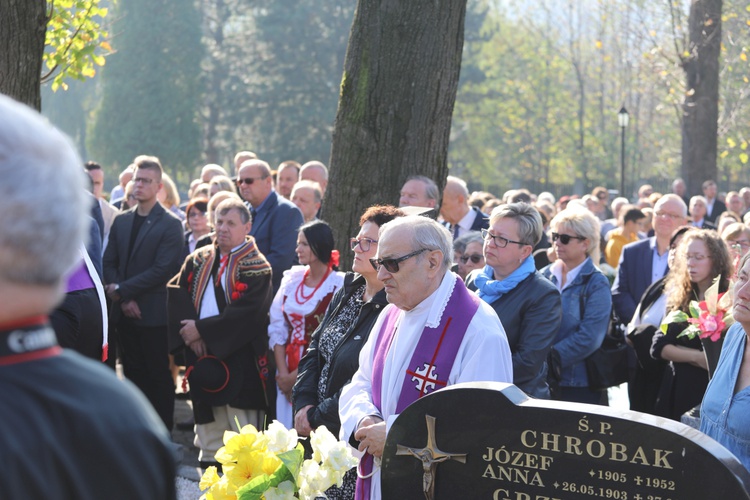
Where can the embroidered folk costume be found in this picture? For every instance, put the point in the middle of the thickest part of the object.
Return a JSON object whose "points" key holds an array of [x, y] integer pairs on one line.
{"points": [[295, 314], [448, 338], [231, 295]]}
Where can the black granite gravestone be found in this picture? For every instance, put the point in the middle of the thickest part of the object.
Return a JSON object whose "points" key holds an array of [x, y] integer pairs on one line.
{"points": [[490, 441]]}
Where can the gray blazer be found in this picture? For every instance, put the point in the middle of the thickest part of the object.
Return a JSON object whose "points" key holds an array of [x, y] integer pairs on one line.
{"points": [[155, 259]]}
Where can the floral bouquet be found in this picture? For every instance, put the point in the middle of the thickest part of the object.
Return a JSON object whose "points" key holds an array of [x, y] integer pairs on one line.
{"points": [[708, 319], [270, 465]]}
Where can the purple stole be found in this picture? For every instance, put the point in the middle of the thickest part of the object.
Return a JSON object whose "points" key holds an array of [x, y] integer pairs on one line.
{"points": [[430, 364]]}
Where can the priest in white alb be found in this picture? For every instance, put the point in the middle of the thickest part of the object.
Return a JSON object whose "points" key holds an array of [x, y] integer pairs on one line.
{"points": [[433, 333]]}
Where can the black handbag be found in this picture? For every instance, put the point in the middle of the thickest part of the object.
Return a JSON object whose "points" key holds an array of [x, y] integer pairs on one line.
{"points": [[608, 365]]}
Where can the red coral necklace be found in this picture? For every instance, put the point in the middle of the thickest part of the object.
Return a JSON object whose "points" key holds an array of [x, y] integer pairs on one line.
{"points": [[300, 291]]}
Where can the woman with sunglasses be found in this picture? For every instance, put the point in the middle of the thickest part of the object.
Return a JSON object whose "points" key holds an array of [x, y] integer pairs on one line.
{"points": [[527, 304], [586, 303], [333, 355], [701, 257], [471, 257], [303, 297]]}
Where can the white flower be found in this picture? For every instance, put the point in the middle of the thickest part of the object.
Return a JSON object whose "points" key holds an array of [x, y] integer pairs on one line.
{"points": [[314, 480], [279, 438], [340, 460], [322, 441], [284, 491]]}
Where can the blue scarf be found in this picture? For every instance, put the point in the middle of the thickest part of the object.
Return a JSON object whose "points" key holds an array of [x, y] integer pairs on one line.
{"points": [[490, 289]]}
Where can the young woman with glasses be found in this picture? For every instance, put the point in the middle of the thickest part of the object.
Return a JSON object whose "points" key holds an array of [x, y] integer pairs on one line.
{"points": [[527, 304], [333, 354], [586, 302], [700, 258]]}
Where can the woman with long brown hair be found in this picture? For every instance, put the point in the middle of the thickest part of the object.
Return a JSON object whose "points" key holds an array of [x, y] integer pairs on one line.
{"points": [[701, 257]]}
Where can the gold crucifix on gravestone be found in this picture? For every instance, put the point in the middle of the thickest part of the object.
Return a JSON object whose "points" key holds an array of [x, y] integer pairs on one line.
{"points": [[430, 456]]}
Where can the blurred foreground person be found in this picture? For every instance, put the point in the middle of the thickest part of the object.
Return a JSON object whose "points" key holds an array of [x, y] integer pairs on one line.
{"points": [[71, 430]]}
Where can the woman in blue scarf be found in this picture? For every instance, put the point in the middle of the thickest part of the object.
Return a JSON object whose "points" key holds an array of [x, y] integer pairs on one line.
{"points": [[527, 304]]}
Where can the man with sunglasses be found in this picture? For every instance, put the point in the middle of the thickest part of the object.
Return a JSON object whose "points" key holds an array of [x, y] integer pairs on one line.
{"points": [[434, 333], [275, 219]]}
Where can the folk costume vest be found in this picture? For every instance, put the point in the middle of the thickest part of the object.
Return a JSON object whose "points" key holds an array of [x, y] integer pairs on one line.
{"points": [[431, 362]]}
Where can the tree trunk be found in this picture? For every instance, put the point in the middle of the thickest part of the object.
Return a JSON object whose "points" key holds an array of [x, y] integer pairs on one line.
{"points": [[394, 116], [23, 24], [701, 105]]}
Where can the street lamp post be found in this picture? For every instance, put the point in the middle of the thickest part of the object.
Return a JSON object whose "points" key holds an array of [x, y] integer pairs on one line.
{"points": [[622, 120]]}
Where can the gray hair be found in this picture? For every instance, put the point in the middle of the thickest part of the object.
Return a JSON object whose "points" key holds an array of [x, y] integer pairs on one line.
{"points": [[431, 190], [425, 233], [463, 241], [697, 198], [529, 221], [263, 167], [315, 164], [673, 197], [583, 223], [42, 223], [317, 193], [457, 184], [233, 203]]}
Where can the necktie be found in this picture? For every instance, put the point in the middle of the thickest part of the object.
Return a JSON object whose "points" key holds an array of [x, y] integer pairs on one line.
{"points": [[455, 231]]}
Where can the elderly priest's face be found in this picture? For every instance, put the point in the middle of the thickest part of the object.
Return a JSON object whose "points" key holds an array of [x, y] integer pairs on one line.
{"points": [[416, 277]]}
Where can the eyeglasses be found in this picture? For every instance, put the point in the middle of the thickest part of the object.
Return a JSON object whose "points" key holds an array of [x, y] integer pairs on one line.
{"points": [[196, 213], [565, 238], [475, 258], [740, 243], [665, 214], [499, 240], [249, 180], [142, 180], [391, 265], [364, 243]]}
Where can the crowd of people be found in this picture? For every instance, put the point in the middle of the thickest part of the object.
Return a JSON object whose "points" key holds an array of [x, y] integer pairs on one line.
{"points": [[240, 285]]}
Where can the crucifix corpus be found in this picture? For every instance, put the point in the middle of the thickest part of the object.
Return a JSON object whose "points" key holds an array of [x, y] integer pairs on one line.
{"points": [[430, 456]]}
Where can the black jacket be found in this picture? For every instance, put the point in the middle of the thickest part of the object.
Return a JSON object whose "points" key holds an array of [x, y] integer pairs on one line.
{"points": [[344, 362]]}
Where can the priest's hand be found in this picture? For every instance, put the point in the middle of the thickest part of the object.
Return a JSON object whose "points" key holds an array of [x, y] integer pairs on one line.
{"points": [[130, 309], [371, 435], [301, 424]]}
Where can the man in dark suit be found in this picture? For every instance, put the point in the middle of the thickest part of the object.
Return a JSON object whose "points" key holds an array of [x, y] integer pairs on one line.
{"points": [[457, 212], [698, 211], [276, 220], [715, 207], [645, 261], [145, 245], [642, 263]]}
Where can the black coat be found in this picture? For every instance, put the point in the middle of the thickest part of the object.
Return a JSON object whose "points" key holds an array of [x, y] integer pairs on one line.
{"points": [[345, 360]]}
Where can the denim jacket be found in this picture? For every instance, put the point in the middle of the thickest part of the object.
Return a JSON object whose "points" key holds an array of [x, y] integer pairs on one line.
{"points": [[578, 336]]}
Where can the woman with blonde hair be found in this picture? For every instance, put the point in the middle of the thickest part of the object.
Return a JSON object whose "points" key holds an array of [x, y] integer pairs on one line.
{"points": [[169, 197], [586, 303], [701, 257], [221, 183]]}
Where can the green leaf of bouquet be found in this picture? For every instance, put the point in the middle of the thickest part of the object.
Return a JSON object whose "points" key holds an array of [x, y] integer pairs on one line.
{"points": [[690, 332], [673, 317], [292, 460], [255, 488], [695, 311]]}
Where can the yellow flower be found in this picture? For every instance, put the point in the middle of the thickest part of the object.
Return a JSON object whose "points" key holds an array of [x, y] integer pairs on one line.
{"points": [[250, 465], [210, 477], [220, 491], [237, 445]]}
